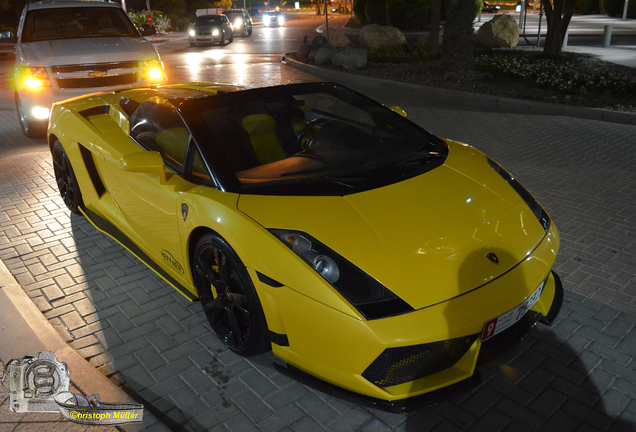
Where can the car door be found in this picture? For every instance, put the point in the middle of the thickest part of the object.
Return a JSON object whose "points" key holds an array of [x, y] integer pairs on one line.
{"points": [[150, 202]]}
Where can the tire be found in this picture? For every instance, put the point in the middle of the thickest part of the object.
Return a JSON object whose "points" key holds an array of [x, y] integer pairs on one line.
{"points": [[65, 178], [231, 38], [249, 33], [30, 128], [228, 297], [223, 39]]}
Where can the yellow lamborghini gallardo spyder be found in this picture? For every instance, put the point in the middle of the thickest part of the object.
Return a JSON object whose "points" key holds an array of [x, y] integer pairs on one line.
{"points": [[312, 221]]}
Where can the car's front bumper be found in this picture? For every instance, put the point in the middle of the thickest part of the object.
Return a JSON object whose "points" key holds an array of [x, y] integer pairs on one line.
{"points": [[339, 349], [206, 38]]}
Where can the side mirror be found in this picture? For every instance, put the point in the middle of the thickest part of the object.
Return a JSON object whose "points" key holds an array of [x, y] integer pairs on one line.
{"points": [[398, 110], [147, 30], [149, 162]]}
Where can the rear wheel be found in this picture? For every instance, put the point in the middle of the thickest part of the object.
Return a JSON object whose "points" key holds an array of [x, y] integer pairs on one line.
{"points": [[65, 178], [228, 297], [30, 128]]}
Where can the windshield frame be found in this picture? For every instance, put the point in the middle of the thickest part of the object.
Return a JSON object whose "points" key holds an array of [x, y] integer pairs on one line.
{"points": [[88, 18], [320, 183]]}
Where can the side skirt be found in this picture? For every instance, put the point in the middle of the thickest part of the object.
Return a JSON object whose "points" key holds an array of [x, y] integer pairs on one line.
{"points": [[116, 234]]}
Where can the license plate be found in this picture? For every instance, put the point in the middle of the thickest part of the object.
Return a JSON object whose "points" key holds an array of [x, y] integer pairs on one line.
{"points": [[504, 321]]}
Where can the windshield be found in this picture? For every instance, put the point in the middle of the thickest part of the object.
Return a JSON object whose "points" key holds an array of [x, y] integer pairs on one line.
{"points": [[76, 22], [315, 135], [208, 20]]}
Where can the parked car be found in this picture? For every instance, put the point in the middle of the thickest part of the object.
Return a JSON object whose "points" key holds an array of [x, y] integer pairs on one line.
{"points": [[274, 18], [490, 8], [67, 49], [211, 29], [313, 221], [241, 21]]}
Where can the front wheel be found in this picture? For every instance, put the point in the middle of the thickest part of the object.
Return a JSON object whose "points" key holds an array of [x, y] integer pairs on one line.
{"points": [[228, 297], [65, 178], [30, 128]]}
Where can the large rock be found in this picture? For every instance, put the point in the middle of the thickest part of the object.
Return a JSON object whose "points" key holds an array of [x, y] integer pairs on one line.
{"points": [[322, 56], [377, 36], [500, 32], [339, 39], [319, 42], [303, 52], [349, 58]]}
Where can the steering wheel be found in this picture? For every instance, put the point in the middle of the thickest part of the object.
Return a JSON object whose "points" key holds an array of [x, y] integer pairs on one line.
{"points": [[308, 127]]}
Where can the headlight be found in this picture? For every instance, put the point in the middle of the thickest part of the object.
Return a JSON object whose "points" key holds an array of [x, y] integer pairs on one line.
{"points": [[215, 32], [534, 205], [372, 299], [34, 77], [191, 32], [238, 22], [266, 20], [152, 70], [281, 20]]}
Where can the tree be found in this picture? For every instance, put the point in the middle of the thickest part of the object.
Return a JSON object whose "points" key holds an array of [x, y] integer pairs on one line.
{"points": [[558, 14], [459, 41], [223, 4]]}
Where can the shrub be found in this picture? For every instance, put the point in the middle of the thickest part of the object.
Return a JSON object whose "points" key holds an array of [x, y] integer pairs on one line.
{"points": [[159, 20], [548, 75], [397, 12], [587, 7], [409, 14], [405, 54], [419, 17], [375, 10], [358, 10], [614, 8]]}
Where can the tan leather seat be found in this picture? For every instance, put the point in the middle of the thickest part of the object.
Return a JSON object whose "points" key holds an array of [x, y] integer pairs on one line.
{"points": [[261, 129]]}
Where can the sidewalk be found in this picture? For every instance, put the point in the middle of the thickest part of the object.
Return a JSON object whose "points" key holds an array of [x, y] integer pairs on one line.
{"points": [[26, 332], [578, 375]]}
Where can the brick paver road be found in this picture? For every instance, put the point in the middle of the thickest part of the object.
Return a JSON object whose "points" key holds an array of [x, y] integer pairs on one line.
{"points": [[578, 375]]}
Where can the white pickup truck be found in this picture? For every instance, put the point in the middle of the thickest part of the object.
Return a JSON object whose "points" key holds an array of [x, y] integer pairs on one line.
{"points": [[71, 48]]}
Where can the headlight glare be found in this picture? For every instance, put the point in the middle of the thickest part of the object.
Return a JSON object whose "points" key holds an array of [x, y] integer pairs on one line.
{"points": [[215, 32], [153, 70], [372, 299], [191, 32], [34, 77]]}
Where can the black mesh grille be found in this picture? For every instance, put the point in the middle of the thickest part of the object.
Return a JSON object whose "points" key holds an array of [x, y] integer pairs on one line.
{"points": [[90, 82], [95, 67], [399, 365]]}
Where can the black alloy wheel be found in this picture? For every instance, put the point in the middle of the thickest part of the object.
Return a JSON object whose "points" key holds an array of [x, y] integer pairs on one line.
{"points": [[65, 178], [228, 297]]}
